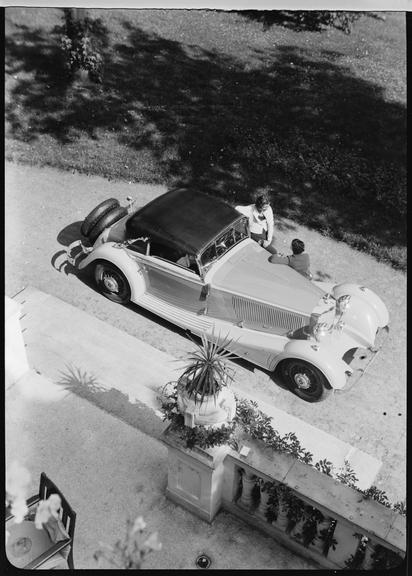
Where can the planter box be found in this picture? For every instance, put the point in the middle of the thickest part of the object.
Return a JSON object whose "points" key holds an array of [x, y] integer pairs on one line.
{"points": [[195, 477]]}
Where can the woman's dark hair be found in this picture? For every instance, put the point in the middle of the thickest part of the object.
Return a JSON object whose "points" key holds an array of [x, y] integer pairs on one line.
{"points": [[297, 246], [261, 200]]}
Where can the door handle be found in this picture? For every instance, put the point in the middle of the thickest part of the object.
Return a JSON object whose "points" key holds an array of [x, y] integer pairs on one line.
{"points": [[205, 292]]}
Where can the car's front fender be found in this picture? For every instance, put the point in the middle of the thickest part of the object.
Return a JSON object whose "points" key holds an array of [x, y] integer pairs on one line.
{"points": [[322, 356], [369, 298], [117, 255]]}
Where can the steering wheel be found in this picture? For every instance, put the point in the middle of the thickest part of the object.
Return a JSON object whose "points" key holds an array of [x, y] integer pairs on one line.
{"points": [[220, 248]]}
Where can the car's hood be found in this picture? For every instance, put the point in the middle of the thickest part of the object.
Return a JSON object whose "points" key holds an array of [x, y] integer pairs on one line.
{"points": [[249, 273]]}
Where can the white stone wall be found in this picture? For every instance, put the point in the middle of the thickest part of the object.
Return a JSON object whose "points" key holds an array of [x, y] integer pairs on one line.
{"points": [[16, 363]]}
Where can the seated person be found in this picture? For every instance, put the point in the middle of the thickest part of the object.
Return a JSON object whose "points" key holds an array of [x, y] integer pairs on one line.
{"points": [[299, 260], [188, 261]]}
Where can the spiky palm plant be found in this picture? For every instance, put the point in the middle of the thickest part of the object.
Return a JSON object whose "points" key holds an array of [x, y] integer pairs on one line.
{"points": [[207, 371]]}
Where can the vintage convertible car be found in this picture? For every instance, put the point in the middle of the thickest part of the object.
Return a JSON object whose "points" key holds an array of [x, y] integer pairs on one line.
{"points": [[188, 258]]}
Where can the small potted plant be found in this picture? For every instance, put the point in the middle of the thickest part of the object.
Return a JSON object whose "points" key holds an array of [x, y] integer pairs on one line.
{"points": [[203, 395]]}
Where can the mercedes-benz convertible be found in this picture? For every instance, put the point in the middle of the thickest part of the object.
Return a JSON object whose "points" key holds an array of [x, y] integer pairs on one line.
{"points": [[188, 257]]}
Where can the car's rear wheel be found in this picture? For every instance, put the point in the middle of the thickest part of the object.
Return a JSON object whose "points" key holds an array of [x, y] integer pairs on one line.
{"points": [[106, 221], [97, 213], [111, 282], [304, 380]]}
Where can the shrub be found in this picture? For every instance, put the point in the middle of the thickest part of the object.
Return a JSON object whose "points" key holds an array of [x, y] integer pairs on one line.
{"points": [[82, 42]]}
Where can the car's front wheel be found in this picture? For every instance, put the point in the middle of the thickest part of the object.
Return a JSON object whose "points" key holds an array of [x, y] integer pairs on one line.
{"points": [[304, 380], [111, 282]]}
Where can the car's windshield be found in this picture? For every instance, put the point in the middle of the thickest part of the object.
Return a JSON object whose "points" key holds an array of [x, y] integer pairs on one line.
{"points": [[225, 242]]}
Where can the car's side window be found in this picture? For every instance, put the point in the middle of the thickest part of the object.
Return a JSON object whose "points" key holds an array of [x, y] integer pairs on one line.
{"points": [[170, 254], [224, 242], [163, 251], [188, 261]]}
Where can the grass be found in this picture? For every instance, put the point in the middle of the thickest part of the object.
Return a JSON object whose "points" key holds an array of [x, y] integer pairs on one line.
{"points": [[228, 103]]}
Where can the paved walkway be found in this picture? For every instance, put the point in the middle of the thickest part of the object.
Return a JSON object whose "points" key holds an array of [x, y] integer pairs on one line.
{"points": [[109, 463]]}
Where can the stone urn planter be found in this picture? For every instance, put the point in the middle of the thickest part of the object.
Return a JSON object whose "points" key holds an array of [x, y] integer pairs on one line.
{"points": [[203, 398], [211, 412], [203, 395]]}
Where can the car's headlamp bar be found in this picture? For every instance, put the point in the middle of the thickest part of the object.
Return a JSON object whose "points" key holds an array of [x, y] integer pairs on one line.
{"points": [[320, 330], [342, 304]]}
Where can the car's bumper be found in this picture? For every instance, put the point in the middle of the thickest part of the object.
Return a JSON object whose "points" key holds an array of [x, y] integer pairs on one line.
{"points": [[361, 359], [76, 251]]}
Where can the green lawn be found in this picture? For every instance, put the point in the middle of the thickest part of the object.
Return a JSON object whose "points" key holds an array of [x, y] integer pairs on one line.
{"points": [[219, 101]]}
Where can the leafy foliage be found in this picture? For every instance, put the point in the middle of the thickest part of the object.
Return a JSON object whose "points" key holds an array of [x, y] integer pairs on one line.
{"points": [[256, 424], [400, 507], [326, 535], [281, 497], [385, 559], [309, 20], [317, 20], [375, 494], [277, 497], [382, 558], [207, 371], [82, 42], [198, 435], [324, 466], [326, 136], [310, 526], [129, 552], [295, 510], [346, 475]]}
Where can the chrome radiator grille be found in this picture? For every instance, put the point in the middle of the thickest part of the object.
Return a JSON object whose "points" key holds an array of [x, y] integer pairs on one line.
{"points": [[267, 317]]}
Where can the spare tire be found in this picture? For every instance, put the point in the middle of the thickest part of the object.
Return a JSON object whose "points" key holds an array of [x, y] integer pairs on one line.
{"points": [[97, 213], [106, 221]]}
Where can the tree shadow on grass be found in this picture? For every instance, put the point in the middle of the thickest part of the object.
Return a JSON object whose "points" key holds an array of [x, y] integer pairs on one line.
{"points": [[113, 401], [325, 144]]}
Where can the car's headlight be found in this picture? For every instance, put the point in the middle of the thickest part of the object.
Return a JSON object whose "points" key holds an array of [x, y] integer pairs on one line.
{"points": [[320, 330]]}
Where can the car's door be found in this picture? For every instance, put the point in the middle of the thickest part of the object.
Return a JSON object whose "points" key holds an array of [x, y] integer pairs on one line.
{"points": [[175, 284]]}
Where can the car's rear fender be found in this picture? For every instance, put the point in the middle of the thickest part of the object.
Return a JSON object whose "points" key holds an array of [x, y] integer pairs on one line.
{"points": [[114, 233], [332, 367], [117, 255]]}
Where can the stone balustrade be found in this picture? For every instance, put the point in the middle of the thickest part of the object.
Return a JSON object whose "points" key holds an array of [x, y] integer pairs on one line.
{"points": [[16, 363], [306, 510]]}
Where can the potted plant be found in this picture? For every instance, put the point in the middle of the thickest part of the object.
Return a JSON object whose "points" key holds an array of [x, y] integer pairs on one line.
{"points": [[203, 395]]}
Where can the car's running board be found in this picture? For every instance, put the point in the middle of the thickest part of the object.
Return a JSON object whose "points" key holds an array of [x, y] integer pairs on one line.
{"points": [[184, 318]]}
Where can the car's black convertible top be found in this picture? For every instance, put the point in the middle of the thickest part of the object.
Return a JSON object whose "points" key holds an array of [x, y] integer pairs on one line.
{"points": [[186, 219]]}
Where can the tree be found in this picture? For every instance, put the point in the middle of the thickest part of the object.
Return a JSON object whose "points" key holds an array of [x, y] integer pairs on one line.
{"points": [[310, 20]]}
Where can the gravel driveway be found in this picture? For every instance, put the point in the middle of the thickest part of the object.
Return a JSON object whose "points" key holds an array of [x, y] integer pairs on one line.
{"points": [[44, 208]]}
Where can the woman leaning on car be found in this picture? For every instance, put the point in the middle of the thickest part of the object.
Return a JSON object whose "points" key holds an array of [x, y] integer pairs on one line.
{"points": [[261, 223]]}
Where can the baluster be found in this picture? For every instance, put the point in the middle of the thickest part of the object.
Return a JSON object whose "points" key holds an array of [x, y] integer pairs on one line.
{"points": [[367, 563], [263, 503], [248, 484], [282, 519], [297, 530], [238, 490], [323, 527]]}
